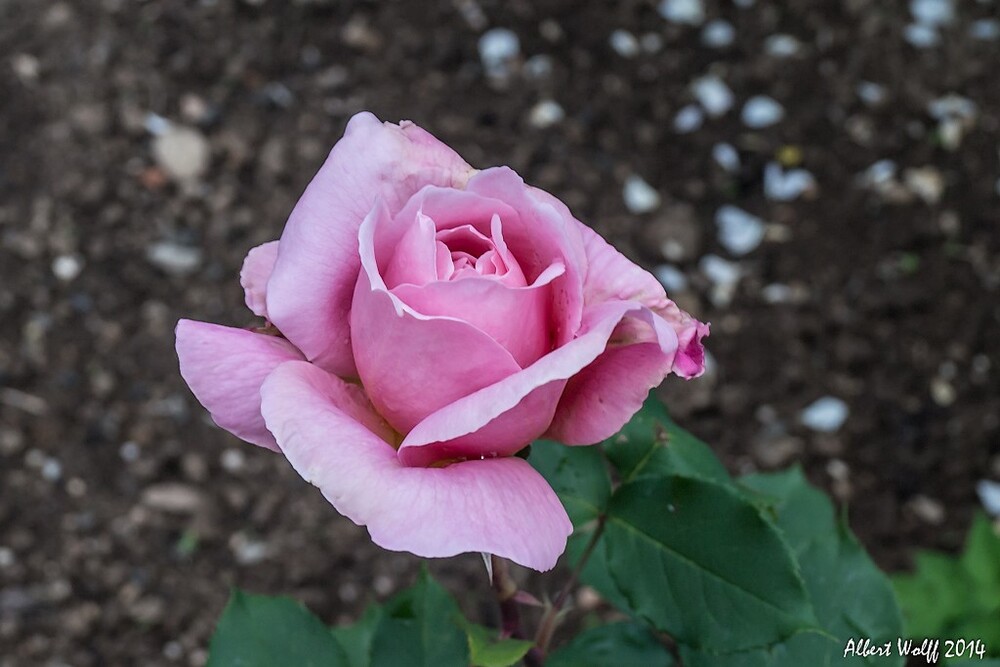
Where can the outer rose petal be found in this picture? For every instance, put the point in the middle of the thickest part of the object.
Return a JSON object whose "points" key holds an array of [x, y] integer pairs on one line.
{"points": [[508, 411], [309, 293], [499, 506], [611, 275], [256, 272], [601, 398], [224, 367]]}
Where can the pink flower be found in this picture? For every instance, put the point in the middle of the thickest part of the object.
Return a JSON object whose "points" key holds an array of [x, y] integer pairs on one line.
{"points": [[434, 320]]}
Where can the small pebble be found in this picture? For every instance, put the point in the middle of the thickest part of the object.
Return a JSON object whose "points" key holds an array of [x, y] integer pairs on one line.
{"points": [[724, 276], [624, 43], [67, 267], [690, 12], [129, 452], [546, 114], [932, 12], [497, 48], [989, 496], [739, 232], [927, 509], [942, 392], [51, 470], [26, 67], [383, 585], [173, 498], [761, 111], [233, 460], [651, 42], [782, 46], [688, 119], [726, 157], [872, 94], [776, 293], [173, 257], [786, 185], [744, 4], [718, 34], [921, 36], [713, 94], [672, 278], [925, 182], [248, 550], [182, 152], [878, 174], [7, 557], [538, 67], [639, 196], [825, 415], [986, 30]]}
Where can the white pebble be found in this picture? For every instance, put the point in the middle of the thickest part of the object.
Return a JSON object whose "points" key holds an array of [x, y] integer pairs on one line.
{"points": [[538, 67], [546, 114], [932, 12], [129, 451], [233, 460], [672, 278], [639, 196], [921, 36], [782, 46], [776, 293], [497, 48], [987, 30], [624, 43], [156, 124], [825, 415], [782, 185], [739, 232], [724, 276], [7, 557], [880, 173], [718, 34], [989, 495], [690, 12], [51, 470], [182, 152], [173, 257], [67, 267], [952, 106], [726, 156], [713, 94], [688, 119], [761, 111], [872, 93], [925, 182]]}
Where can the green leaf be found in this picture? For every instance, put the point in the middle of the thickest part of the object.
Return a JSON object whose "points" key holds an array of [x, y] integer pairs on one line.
{"points": [[488, 650], [420, 627], [578, 475], [697, 560], [851, 597], [263, 631], [652, 445], [951, 597], [615, 645], [356, 639]]}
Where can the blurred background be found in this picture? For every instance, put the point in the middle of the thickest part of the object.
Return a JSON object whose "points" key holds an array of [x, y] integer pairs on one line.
{"points": [[820, 180]]}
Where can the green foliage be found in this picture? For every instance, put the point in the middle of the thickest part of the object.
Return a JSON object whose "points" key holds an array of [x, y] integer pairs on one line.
{"points": [[488, 650], [615, 645], [957, 597], [262, 631], [755, 572]]}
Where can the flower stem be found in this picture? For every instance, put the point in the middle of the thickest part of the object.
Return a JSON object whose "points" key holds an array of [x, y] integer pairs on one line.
{"points": [[505, 589], [550, 620]]}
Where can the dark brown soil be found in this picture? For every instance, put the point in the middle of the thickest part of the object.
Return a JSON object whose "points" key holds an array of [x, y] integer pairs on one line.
{"points": [[125, 516]]}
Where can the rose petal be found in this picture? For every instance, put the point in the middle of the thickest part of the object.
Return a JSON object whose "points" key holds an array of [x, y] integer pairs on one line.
{"points": [[412, 364], [515, 317], [457, 429], [540, 235], [224, 367], [498, 506], [309, 293], [602, 397], [611, 275], [257, 268]]}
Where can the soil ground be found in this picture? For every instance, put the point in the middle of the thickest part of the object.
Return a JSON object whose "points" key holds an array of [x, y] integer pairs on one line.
{"points": [[125, 516]]}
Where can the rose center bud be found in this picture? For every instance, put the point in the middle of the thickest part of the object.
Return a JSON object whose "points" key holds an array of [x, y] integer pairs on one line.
{"points": [[465, 252]]}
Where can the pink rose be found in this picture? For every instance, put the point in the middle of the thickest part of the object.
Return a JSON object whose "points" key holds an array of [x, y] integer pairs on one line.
{"points": [[430, 321]]}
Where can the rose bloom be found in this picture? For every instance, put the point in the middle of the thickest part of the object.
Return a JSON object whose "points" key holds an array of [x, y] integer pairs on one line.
{"points": [[426, 322]]}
